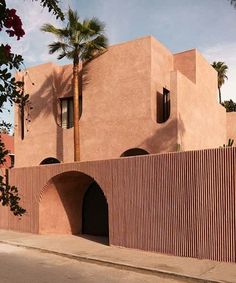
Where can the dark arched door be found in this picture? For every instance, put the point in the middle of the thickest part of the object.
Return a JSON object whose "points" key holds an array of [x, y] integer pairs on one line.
{"points": [[95, 212]]}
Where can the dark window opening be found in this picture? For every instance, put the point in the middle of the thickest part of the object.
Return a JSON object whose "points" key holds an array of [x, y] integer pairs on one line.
{"points": [[163, 106], [134, 152], [67, 111], [49, 160], [166, 104]]}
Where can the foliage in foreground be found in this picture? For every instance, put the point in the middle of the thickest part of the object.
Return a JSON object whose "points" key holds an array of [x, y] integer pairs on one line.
{"points": [[229, 105], [11, 90]]}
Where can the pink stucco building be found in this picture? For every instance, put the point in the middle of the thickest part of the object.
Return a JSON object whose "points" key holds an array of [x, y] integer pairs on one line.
{"points": [[138, 98], [136, 95]]}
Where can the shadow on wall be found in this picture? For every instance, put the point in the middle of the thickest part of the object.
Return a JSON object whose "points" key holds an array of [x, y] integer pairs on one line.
{"points": [[165, 137], [181, 133], [46, 100]]}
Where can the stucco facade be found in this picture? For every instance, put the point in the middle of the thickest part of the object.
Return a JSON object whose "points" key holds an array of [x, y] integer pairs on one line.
{"points": [[122, 104], [137, 95]]}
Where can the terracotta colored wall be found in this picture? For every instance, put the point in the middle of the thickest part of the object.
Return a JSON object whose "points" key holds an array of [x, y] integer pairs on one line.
{"points": [[185, 62], [231, 126], [63, 195], [120, 105], [43, 135], [201, 120], [164, 137], [177, 203], [116, 113]]}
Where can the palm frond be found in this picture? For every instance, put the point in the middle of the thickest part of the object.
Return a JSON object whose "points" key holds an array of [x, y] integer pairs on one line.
{"points": [[221, 69], [96, 26], [58, 46], [72, 55], [73, 18], [49, 28], [91, 48], [79, 39], [60, 33], [62, 55]]}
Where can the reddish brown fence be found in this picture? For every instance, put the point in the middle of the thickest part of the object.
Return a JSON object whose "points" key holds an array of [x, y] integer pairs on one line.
{"points": [[177, 203]]}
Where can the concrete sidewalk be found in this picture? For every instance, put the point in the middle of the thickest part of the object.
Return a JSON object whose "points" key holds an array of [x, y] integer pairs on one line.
{"points": [[90, 250]]}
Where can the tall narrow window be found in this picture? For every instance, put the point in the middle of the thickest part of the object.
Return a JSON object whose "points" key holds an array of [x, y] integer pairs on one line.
{"points": [[67, 112], [166, 104], [162, 106]]}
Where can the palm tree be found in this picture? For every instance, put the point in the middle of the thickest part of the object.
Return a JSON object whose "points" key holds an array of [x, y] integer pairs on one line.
{"points": [[221, 69], [79, 41]]}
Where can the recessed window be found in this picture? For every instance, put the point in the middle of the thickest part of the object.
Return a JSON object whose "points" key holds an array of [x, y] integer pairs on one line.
{"points": [[166, 104], [163, 106], [67, 112]]}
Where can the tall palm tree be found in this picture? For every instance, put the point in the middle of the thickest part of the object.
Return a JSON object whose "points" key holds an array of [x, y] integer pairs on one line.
{"points": [[221, 69], [79, 41]]}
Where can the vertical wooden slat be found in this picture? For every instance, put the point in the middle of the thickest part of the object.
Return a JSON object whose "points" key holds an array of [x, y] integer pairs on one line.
{"points": [[177, 203]]}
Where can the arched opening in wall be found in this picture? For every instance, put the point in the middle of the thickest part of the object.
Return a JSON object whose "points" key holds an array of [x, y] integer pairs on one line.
{"points": [[95, 212], [49, 160], [73, 203], [134, 152], [162, 106]]}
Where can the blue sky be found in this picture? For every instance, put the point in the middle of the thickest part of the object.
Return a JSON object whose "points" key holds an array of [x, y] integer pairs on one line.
{"points": [[208, 25]]}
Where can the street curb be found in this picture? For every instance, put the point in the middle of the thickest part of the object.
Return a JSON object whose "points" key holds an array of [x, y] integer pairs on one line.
{"points": [[118, 265]]}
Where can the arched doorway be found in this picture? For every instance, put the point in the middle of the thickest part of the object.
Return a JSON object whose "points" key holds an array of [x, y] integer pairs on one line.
{"points": [[95, 212], [134, 152], [67, 206]]}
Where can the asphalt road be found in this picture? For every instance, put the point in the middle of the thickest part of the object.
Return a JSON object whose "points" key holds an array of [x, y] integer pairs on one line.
{"points": [[20, 265]]}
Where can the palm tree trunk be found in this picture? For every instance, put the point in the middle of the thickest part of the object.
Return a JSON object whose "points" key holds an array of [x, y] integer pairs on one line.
{"points": [[76, 111], [219, 95]]}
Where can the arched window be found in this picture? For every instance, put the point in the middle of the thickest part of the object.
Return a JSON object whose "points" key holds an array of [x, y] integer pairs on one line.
{"points": [[134, 152], [49, 160]]}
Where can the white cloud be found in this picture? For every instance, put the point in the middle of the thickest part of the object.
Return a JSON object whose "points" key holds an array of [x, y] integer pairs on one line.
{"points": [[225, 53]]}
